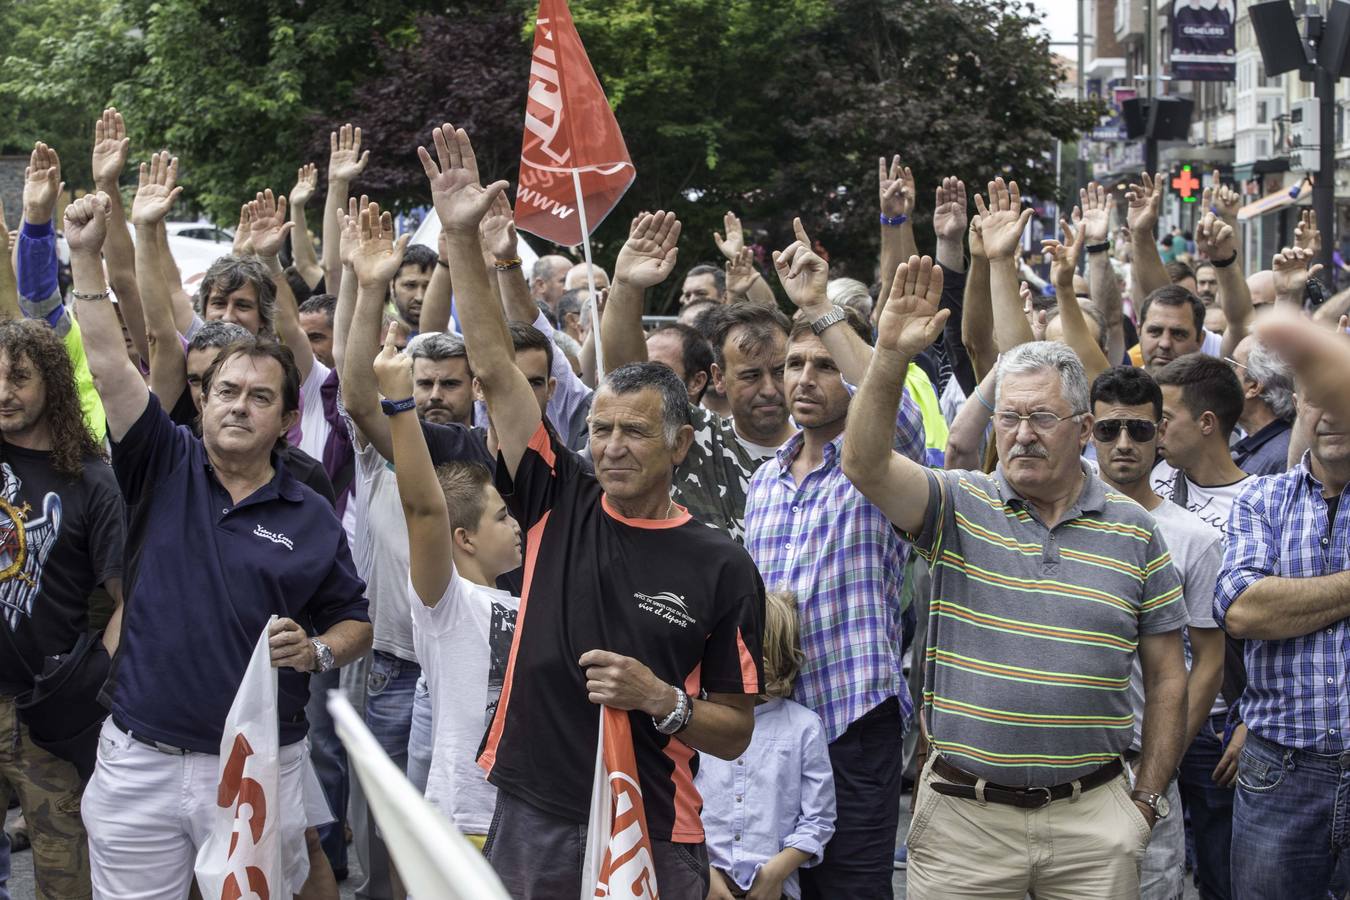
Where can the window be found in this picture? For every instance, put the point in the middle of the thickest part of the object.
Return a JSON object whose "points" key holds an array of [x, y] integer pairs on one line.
{"points": [[1262, 112]]}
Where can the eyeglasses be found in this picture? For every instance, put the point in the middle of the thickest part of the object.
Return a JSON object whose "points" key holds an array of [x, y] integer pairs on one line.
{"points": [[1040, 421], [1141, 431], [1234, 362]]}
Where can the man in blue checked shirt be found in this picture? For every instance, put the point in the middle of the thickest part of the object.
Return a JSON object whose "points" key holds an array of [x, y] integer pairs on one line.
{"points": [[1285, 589], [810, 531]]}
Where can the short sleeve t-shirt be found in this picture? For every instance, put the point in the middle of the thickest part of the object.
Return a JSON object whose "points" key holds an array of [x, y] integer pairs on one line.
{"points": [[1197, 554], [1211, 504], [464, 644], [62, 538], [672, 593], [1032, 631]]}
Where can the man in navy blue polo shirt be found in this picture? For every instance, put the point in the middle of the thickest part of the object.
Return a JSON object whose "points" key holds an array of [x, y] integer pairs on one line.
{"points": [[262, 545]]}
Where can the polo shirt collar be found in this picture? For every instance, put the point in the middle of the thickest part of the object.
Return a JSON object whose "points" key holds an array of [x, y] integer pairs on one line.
{"points": [[282, 485], [1092, 498], [1253, 442]]}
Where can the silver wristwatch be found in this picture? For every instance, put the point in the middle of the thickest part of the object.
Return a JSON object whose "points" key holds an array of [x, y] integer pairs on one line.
{"points": [[323, 656], [838, 314]]}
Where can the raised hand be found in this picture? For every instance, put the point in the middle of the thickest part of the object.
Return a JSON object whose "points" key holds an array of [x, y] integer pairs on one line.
{"points": [[976, 237], [648, 256], [741, 273], [803, 273], [110, 147], [306, 183], [1291, 272], [345, 159], [1064, 255], [41, 184], [1002, 220], [86, 223], [1145, 202], [460, 200], [243, 233], [1306, 234], [269, 227], [499, 229], [949, 210], [911, 318], [1215, 238], [393, 367], [376, 256], [1095, 215], [1221, 199], [158, 190], [730, 246], [351, 228], [896, 187]]}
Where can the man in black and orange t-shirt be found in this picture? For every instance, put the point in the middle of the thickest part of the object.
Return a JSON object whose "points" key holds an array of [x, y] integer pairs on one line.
{"points": [[628, 602]]}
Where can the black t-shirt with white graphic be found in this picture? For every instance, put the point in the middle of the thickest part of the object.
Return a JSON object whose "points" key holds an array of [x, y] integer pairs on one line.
{"points": [[680, 597], [60, 538]]}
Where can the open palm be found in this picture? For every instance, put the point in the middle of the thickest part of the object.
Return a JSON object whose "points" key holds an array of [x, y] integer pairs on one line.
{"points": [[157, 191], [458, 196], [499, 229], [345, 159], [376, 256], [110, 147], [269, 227], [912, 318], [648, 256]]}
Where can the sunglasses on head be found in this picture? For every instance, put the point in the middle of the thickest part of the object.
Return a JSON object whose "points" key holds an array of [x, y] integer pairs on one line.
{"points": [[1140, 430]]}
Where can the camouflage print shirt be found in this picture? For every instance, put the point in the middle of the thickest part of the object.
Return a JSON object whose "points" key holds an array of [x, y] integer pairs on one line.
{"points": [[713, 479]]}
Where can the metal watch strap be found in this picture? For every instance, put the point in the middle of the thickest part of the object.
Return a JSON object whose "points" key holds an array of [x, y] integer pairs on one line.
{"points": [[678, 716], [323, 655], [838, 314]]}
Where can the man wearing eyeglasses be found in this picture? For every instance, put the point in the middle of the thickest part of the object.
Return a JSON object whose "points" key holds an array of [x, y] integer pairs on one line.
{"points": [[1045, 587], [1128, 406]]}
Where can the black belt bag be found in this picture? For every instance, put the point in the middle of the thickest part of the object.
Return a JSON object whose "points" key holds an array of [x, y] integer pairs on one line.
{"points": [[61, 710]]}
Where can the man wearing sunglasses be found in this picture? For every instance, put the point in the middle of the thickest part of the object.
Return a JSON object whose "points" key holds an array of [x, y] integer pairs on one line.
{"points": [[1128, 406]]}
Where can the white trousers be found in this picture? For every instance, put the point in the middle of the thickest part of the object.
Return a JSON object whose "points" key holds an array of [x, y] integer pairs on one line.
{"points": [[147, 812]]}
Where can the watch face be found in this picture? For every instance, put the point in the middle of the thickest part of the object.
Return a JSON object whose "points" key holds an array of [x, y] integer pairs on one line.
{"points": [[1162, 807]]}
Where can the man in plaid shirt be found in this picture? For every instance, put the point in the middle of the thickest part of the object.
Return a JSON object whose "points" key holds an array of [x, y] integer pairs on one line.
{"points": [[810, 531], [1285, 589]]}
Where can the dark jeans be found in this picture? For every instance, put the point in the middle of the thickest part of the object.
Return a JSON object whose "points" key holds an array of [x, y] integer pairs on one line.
{"points": [[1291, 837], [867, 772], [330, 764], [1210, 808], [538, 856]]}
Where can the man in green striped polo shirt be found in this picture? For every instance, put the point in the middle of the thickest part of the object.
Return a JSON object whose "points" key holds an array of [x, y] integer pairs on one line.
{"points": [[1045, 587]]}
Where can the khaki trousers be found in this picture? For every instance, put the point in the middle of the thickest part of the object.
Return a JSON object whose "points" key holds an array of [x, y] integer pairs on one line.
{"points": [[1070, 849]]}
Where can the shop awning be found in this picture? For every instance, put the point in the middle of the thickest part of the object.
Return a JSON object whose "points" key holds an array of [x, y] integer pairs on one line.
{"points": [[1274, 202]]}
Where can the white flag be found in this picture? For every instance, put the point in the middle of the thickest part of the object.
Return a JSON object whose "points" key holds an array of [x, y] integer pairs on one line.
{"points": [[434, 860], [241, 857], [618, 863]]}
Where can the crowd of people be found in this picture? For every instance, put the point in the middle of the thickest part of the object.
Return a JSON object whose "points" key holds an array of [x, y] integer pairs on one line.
{"points": [[1062, 558]]}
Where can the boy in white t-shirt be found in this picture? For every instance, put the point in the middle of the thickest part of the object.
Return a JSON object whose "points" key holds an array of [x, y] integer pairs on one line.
{"points": [[462, 626]]}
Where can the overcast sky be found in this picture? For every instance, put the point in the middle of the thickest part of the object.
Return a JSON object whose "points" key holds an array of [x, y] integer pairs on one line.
{"points": [[1060, 18]]}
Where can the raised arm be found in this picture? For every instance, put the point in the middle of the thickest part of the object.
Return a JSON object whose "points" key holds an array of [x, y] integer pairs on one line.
{"points": [[461, 202], [1094, 217], [346, 161], [911, 320], [346, 296], [804, 276], [1145, 202], [1077, 334], [9, 287], [1319, 355], [375, 258], [977, 306], [646, 259], [1292, 267], [1218, 241], [119, 385], [302, 243], [183, 312], [897, 196], [109, 159], [155, 196], [268, 231], [502, 245], [965, 438], [1002, 222]]}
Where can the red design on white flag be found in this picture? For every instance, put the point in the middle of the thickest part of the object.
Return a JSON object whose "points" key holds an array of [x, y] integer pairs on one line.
{"points": [[618, 863], [241, 857], [571, 137]]}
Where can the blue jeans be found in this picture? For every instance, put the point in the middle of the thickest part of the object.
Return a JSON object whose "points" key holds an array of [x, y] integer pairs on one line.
{"points": [[390, 683], [1291, 839], [420, 739], [1210, 808], [330, 764]]}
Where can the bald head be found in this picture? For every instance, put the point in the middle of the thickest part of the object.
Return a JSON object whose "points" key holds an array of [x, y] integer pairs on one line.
{"points": [[1262, 287], [576, 277]]}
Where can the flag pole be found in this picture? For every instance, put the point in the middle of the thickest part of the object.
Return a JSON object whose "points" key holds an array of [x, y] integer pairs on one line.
{"points": [[590, 276]]}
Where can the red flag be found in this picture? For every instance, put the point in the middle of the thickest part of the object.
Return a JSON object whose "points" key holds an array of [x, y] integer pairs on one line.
{"points": [[618, 864], [571, 138]]}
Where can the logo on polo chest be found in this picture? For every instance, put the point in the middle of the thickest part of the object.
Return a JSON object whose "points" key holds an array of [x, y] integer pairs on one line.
{"points": [[275, 537], [667, 606]]}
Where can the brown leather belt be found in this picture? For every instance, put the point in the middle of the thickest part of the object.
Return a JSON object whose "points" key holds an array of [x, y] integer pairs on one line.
{"points": [[1024, 798]]}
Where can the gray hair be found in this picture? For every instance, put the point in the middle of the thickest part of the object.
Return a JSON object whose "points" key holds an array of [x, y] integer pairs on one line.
{"points": [[635, 377], [216, 334], [850, 292], [1276, 380], [1037, 356], [230, 273], [1091, 311], [437, 346]]}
